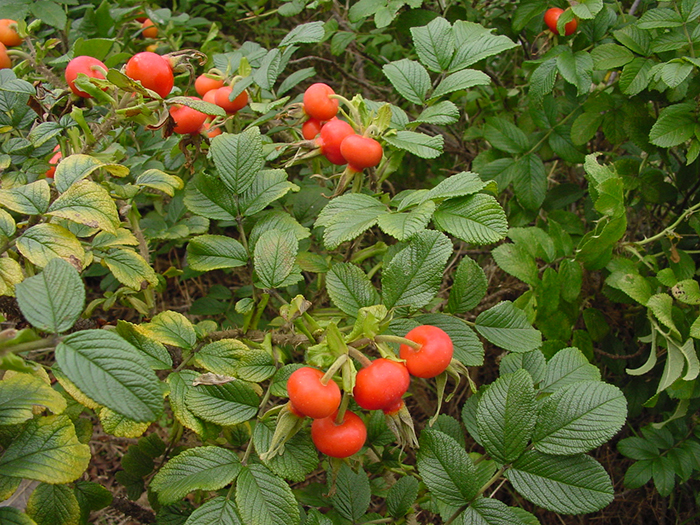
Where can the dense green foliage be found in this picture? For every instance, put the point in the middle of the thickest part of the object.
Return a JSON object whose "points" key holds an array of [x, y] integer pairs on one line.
{"points": [[535, 200]]}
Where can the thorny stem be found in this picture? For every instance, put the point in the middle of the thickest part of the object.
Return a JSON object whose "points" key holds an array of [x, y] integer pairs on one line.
{"points": [[683, 216]]}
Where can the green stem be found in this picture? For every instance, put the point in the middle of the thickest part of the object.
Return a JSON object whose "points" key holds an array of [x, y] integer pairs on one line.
{"points": [[386, 338], [264, 299], [41, 344], [670, 228], [343, 408], [354, 114]]}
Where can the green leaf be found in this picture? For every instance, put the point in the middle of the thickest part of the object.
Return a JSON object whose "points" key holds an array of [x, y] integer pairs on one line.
{"points": [[579, 418], [348, 216], [434, 44], [121, 426], [576, 69], [587, 9], [534, 362], [401, 496], [226, 405], [265, 499], [633, 284], [53, 300], [238, 158], [129, 268], [443, 114], [660, 18], [199, 468], [476, 219], [420, 144], [20, 393], [181, 383], [112, 372], [505, 136], [274, 258], [53, 505], [49, 12], [638, 474], [507, 327], [543, 78], [222, 357], [277, 220], [267, 187], [29, 199], [47, 450], [610, 56], [88, 203], [352, 496], [488, 511], [571, 276], [446, 468], [687, 291], [410, 79], [565, 484], [506, 415], [664, 475], [474, 42], [402, 226], [349, 288], [299, 457], [515, 260], [310, 33], [464, 79], [661, 305], [172, 328], [155, 353], [13, 516], [412, 278], [529, 181], [209, 197], [469, 286], [213, 252], [458, 185], [568, 366], [675, 72], [637, 448], [216, 511], [161, 181], [73, 169], [675, 125], [635, 76]]}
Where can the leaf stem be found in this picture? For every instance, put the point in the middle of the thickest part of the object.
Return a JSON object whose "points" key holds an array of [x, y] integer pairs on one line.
{"points": [[386, 338]]}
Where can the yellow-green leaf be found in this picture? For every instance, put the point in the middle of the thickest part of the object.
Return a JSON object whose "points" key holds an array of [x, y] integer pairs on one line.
{"points": [[29, 199], [129, 268], [44, 242], [53, 505], [74, 168], [10, 275], [161, 181], [121, 426], [20, 393], [88, 203]]}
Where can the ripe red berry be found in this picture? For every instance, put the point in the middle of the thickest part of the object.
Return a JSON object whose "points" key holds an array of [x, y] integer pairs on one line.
{"points": [[332, 134], [311, 397], [89, 66], [434, 355], [152, 70], [203, 84], [381, 384], [230, 106], [361, 152], [339, 440], [5, 61], [187, 120], [551, 17], [318, 104], [311, 128]]}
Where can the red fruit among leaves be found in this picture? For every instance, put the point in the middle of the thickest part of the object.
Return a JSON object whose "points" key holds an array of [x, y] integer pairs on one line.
{"points": [[551, 17], [311, 397], [187, 120], [5, 62], [317, 102], [332, 135], [311, 128], [9, 35], [222, 99], [152, 70], [89, 66], [339, 440], [203, 84], [380, 385], [434, 355], [361, 152]]}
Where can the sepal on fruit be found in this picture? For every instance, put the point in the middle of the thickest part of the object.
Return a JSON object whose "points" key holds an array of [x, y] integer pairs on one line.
{"points": [[400, 423], [288, 424]]}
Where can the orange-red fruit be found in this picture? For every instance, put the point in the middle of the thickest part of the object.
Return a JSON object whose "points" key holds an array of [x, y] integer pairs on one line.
{"points": [[380, 385], [203, 84], [318, 104], [311, 128], [311, 397], [551, 17], [9, 35], [339, 440], [53, 161], [434, 355], [187, 120], [361, 152], [230, 106], [210, 96], [152, 70], [332, 135], [5, 62], [149, 29], [89, 66], [210, 132]]}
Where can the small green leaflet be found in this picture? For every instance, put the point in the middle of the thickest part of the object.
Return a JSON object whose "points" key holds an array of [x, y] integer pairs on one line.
{"points": [[238, 158], [349, 288], [477, 219], [353, 494], [172, 328], [20, 393], [213, 252], [275, 259], [51, 504], [265, 499], [506, 326], [410, 79], [227, 405], [216, 511], [29, 199]]}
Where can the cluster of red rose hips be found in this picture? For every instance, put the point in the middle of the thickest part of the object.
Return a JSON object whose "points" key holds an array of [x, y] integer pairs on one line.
{"points": [[155, 72], [551, 18], [380, 385], [336, 138]]}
